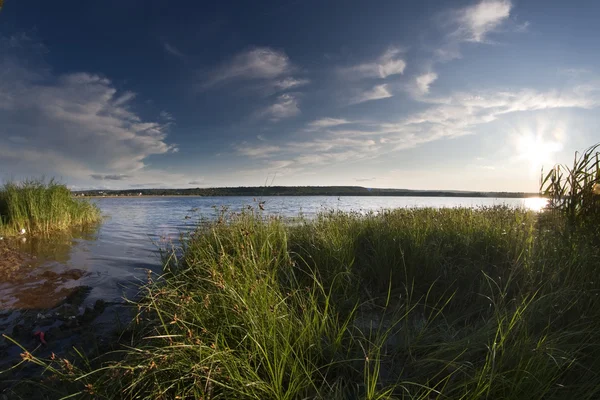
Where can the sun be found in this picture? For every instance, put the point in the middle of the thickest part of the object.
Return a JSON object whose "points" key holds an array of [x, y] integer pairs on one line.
{"points": [[536, 150]]}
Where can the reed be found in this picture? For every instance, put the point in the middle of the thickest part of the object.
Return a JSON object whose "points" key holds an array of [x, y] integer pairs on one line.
{"points": [[575, 191], [38, 207]]}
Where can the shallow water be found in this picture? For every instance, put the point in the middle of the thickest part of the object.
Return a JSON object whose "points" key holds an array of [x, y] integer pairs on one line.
{"points": [[113, 258]]}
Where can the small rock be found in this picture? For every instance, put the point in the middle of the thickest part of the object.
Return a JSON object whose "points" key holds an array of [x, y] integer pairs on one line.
{"points": [[99, 306]]}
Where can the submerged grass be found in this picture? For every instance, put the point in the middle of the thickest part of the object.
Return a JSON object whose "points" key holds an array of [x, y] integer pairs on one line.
{"points": [[406, 304], [39, 207]]}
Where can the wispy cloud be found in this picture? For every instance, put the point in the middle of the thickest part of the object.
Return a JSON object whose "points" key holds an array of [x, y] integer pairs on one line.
{"points": [[169, 48], [265, 71], [285, 106], [257, 63], [167, 116], [424, 81], [460, 114], [328, 122], [114, 177], [260, 151], [365, 179], [376, 93], [475, 22], [386, 65], [289, 83], [279, 164]]}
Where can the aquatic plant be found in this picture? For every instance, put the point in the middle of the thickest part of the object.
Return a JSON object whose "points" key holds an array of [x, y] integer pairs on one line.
{"points": [[34, 206]]}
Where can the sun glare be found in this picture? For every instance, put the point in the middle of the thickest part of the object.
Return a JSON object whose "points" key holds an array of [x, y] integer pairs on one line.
{"points": [[535, 203], [536, 150]]}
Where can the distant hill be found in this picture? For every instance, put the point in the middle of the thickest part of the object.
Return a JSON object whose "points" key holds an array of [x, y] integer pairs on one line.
{"points": [[300, 191]]}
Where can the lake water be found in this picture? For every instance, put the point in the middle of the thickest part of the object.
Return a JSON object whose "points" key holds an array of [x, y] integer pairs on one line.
{"points": [[113, 259]]}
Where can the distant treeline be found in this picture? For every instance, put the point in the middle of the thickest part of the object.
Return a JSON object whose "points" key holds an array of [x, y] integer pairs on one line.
{"points": [[300, 191]]}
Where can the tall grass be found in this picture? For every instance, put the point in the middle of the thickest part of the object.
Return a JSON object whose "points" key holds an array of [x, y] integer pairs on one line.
{"points": [[404, 304], [40, 207]]}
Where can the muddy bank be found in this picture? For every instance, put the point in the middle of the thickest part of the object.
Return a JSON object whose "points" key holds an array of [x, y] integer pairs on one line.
{"points": [[11, 261], [56, 332], [47, 311]]}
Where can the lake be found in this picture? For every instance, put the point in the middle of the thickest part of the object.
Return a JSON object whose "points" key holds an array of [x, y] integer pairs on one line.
{"points": [[113, 259]]}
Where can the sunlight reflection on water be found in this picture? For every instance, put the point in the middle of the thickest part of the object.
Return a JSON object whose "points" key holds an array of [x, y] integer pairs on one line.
{"points": [[535, 203]]}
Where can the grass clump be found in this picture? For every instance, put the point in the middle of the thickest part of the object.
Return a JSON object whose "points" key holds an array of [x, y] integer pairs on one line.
{"points": [[403, 304], [39, 207]]}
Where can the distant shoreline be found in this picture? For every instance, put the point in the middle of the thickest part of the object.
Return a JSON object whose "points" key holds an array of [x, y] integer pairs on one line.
{"points": [[299, 191], [320, 195]]}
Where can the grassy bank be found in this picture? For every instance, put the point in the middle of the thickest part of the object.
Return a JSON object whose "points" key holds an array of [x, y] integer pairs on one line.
{"points": [[39, 207], [409, 304]]}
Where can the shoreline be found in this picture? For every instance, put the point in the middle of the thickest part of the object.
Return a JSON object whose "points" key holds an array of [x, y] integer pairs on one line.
{"points": [[307, 195]]}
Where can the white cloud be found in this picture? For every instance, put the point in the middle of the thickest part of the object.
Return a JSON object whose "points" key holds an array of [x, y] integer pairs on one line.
{"points": [[386, 65], [424, 81], [256, 151], [257, 63], [289, 83], [328, 122], [473, 23], [376, 93], [74, 125], [265, 71], [478, 20], [83, 115], [285, 106]]}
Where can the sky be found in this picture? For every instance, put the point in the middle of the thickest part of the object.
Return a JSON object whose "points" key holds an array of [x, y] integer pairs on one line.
{"points": [[453, 95]]}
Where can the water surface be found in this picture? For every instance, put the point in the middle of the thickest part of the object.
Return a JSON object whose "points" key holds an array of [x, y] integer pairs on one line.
{"points": [[113, 258]]}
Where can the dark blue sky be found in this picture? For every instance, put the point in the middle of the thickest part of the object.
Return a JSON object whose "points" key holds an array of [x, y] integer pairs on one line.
{"points": [[457, 95]]}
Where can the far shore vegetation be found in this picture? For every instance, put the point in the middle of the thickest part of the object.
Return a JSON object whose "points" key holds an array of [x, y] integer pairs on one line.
{"points": [[300, 191], [487, 303], [39, 207]]}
